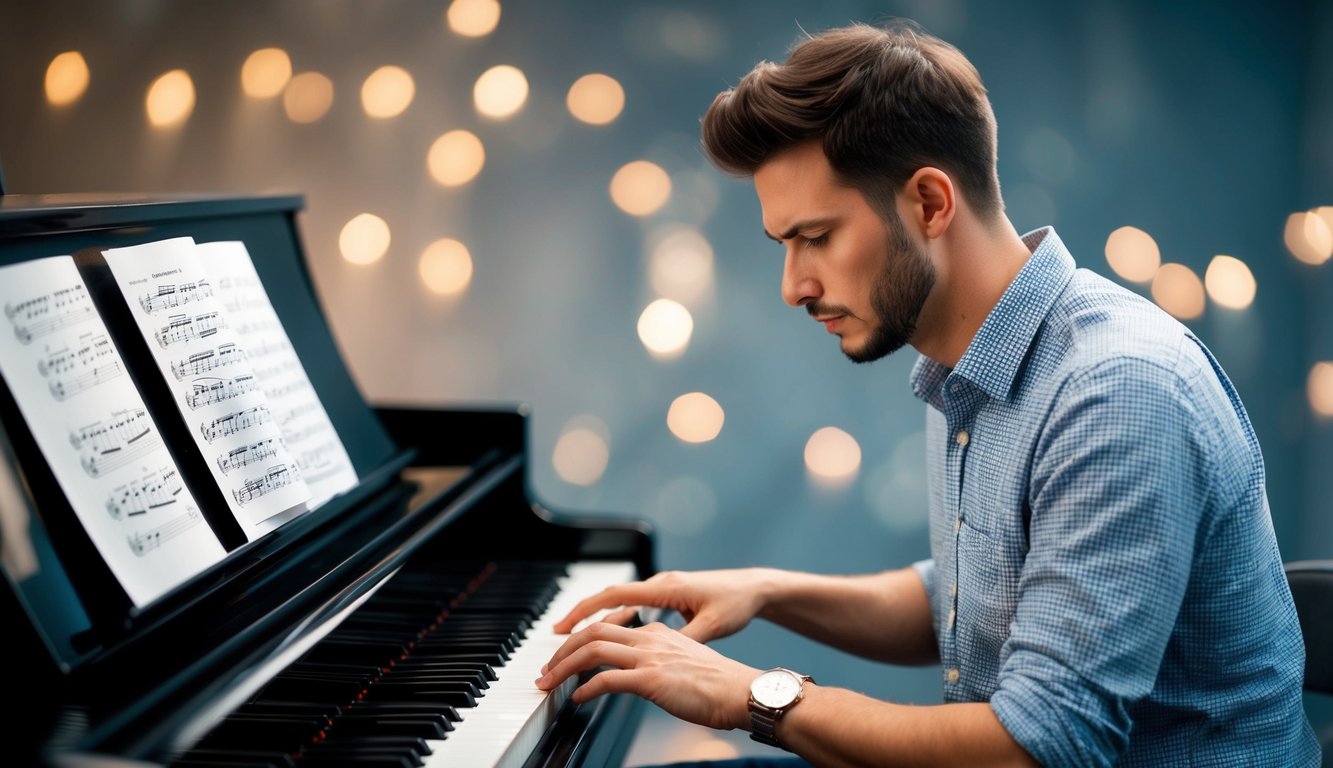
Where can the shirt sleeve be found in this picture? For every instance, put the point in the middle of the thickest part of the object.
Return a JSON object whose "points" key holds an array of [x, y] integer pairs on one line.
{"points": [[1118, 493], [925, 569]]}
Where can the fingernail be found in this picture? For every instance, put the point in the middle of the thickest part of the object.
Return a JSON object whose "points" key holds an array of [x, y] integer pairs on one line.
{"points": [[541, 681]]}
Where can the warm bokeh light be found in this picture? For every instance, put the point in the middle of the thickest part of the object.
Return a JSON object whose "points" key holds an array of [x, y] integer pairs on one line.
{"points": [[500, 91], [1325, 212], [1133, 254], [387, 92], [170, 99], [446, 267], [364, 239], [695, 417], [265, 73], [1320, 389], [1230, 282], [665, 327], [1179, 291], [473, 18], [456, 158], [66, 78], [581, 455], [640, 188], [596, 99], [832, 455], [682, 265], [1309, 237], [308, 98]]}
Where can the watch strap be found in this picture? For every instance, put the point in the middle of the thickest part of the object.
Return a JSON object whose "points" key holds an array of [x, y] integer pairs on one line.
{"points": [[764, 719]]}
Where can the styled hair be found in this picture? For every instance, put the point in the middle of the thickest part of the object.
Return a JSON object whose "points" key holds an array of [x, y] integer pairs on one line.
{"points": [[883, 101]]}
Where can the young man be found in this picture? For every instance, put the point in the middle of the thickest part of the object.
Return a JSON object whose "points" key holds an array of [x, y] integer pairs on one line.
{"points": [[1105, 585]]}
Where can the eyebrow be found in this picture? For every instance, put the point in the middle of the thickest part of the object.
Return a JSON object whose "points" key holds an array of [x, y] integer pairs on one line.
{"points": [[797, 227]]}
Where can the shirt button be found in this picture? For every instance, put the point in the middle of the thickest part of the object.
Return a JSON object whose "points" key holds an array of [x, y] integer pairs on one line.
{"points": [[953, 614], [958, 525], [953, 676], [962, 437], [953, 591]]}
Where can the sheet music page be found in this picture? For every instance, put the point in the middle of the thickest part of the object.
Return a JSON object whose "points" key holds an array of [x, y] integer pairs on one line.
{"points": [[300, 415], [208, 370], [89, 420]]}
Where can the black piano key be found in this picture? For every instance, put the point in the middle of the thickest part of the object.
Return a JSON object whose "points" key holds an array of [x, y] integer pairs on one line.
{"points": [[264, 734], [219, 757], [306, 708], [486, 671], [456, 697], [407, 744], [430, 708], [334, 760], [358, 750], [311, 689], [384, 725]]}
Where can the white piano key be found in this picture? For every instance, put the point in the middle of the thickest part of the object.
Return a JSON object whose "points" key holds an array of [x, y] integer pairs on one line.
{"points": [[508, 722]]}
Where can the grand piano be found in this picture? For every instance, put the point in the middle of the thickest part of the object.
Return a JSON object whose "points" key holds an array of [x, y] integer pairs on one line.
{"points": [[401, 623]]}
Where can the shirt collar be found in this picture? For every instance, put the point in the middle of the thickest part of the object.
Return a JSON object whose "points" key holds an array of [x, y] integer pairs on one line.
{"points": [[995, 354]]}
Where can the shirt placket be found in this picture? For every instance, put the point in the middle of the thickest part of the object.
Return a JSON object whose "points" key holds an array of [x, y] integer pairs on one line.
{"points": [[959, 412]]}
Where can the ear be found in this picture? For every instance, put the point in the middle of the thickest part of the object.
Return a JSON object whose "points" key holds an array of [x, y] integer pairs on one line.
{"points": [[932, 202]]}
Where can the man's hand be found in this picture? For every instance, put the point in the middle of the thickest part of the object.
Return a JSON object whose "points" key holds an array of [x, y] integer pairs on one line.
{"points": [[714, 603], [684, 677]]}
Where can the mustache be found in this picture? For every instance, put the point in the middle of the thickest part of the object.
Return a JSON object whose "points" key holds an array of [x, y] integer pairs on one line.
{"points": [[816, 309]]}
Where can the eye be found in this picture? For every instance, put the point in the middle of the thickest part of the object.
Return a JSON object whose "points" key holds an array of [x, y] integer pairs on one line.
{"points": [[816, 240]]}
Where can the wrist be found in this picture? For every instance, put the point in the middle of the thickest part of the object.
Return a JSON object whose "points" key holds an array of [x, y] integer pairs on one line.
{"points": [[768, 591]]}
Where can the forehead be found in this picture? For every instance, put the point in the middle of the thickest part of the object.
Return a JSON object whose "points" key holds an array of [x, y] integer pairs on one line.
{"points": [[799, 183]]}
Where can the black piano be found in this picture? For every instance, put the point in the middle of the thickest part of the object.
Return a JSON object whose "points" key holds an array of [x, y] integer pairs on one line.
{"points": [[398, 624]]}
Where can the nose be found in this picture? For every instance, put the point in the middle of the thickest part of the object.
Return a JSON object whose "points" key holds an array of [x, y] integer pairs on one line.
{"points": [[799, 285]]}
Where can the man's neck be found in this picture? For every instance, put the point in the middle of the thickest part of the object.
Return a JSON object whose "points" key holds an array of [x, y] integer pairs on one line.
{"points": [[974, 265]]}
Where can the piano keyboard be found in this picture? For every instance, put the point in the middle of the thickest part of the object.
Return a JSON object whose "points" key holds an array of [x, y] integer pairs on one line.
{"points": [[435, 669]]}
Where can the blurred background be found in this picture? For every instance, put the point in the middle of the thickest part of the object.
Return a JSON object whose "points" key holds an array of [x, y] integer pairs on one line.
{"points": [[506, 202]]}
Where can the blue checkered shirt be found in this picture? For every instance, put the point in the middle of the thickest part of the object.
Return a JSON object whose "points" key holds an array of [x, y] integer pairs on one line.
{"points": [[1104, 568]]}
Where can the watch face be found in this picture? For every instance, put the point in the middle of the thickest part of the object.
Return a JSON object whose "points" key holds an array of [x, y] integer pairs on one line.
{"points": [[776, 688]]}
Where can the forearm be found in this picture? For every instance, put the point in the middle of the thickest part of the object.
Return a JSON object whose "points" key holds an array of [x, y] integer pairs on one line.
{"points": [[883, 616], [836, 727]]}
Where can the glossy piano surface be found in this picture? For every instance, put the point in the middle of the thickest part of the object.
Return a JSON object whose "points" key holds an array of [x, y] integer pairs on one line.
{"points": [[440, 491]]}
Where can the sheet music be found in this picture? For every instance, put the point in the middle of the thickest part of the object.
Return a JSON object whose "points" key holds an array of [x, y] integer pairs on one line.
{"points": [[90, 423], [208, 369], [292, 400]]}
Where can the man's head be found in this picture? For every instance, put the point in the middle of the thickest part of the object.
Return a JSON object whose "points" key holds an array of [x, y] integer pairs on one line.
{"points": [[832, 138]]}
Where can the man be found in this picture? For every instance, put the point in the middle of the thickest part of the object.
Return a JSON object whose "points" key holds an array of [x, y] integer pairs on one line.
{"points": [[1105, 585]]}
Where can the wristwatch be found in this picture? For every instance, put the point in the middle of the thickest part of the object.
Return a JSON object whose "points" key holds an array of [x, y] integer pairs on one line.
{"points": [[771, 695]]}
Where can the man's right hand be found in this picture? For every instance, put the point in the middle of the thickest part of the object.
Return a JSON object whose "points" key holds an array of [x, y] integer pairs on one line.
{"points": [[714, 603]]}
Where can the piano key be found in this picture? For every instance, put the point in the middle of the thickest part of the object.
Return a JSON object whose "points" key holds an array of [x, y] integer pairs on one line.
{"points": [[509, 722]]}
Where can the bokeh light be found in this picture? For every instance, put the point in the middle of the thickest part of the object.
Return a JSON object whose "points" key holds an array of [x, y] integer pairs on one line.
{"points": [[66, 78], [473, 18], [1179, 291], [265, 73], [665, 328], [695, 417], [446, 267], [895, 491], [1133, 254], [364, 239], [1230, 282], [1309, 237], [500, 91], [681, 267], [832, 456], [308, 97], [596, 99], [456, 158], [170, 99], [387, 92], [640, 188], [582, 451], [1319, 387]]}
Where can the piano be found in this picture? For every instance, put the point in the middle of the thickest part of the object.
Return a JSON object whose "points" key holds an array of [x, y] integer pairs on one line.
{"points": [[401, 623]]}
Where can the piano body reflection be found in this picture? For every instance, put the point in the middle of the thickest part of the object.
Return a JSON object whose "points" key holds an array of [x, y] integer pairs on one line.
{"points": [[401, 623]]}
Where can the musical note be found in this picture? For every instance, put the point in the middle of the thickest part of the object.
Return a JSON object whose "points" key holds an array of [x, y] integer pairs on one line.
{"points": [[183, 328], [71, 372], [234, 423], [209, 391], [110, 445], [200, 363], [170, 296], [247, 454], [141, 543], [276, 477], [37, 317], [155, 491]]}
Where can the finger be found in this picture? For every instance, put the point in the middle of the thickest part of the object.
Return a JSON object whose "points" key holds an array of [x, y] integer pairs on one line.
{"points": [[701, 628], [611, 597], [609, 681], [590, 656], [623, 618], [600, 631]]}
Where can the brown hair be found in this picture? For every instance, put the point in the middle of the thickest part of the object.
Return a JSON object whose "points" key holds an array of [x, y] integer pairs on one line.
{"points": [[884, 102]]}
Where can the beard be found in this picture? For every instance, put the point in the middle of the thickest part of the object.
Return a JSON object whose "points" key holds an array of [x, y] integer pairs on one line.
{"points": [[896, 298]]}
